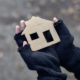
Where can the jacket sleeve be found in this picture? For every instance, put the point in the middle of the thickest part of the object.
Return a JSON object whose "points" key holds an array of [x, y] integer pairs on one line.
{"points": [[69, 55], [46, 64]]}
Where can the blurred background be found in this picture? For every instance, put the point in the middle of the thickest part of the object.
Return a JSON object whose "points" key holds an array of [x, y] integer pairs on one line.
{"points": [[12, 66]]}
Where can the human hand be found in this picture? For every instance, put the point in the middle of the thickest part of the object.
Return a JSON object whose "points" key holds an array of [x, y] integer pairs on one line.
{"points": [[45, 61], [64, 34], [20, 39]]}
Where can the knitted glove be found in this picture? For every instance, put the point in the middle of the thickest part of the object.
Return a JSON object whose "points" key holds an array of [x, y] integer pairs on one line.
{"points": [[69, 55], [43, 61], [19, 39]]}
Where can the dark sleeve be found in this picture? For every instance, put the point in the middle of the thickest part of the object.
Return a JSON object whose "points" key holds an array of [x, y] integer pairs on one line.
{"points": [[69, 55], [46, 64]]}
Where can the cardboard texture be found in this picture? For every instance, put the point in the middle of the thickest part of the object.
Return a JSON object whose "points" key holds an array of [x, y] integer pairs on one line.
{"points": [[36, 30]]}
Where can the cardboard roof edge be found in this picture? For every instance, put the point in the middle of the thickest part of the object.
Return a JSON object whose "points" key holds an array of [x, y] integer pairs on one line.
{"points": [[33, 19]]}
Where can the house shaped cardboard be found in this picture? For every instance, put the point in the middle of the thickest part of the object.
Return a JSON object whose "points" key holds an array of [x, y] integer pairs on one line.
{"points": [[36, 33]]}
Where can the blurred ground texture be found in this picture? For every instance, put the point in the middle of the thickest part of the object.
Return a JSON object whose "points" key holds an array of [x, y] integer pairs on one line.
{"points": [[12, 66]]}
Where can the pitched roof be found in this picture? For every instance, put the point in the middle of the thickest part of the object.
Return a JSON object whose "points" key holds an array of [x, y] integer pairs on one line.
{"points": [[36, 21]]}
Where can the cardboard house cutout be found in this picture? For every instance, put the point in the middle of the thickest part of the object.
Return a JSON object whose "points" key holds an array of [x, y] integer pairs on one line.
{"points": [[35, 33]]}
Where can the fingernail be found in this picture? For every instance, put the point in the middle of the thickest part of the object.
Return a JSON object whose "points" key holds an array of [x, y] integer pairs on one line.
{"points": [[17, 29], [55, 19]]}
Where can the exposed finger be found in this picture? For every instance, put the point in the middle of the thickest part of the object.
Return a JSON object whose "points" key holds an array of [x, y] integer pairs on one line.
{"points": [[23, 25], [24, 43], [55, 20], [18, 29]]}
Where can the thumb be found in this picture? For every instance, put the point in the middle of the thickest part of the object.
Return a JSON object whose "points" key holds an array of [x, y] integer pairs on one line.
{"points": [[25, 43]]}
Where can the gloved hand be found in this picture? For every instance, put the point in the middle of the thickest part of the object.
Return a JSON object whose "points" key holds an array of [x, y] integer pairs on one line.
{"points": [[69, 54], [65, 51], [44, 61]]}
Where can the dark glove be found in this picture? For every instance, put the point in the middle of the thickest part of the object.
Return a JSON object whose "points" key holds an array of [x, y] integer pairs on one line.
{"points": [[43, 61], [19, 39], [69, 55], [77, 76], [64, 34]]}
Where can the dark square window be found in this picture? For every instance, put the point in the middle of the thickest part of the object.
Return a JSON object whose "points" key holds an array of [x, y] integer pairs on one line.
{"points": [[34, 36], [48, 36]]}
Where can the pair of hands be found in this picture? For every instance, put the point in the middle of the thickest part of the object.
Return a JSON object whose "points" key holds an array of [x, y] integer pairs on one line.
{"points": [[48, 59]]}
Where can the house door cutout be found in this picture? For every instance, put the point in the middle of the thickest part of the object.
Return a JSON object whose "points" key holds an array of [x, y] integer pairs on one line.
{"points": [[48, 36]]}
